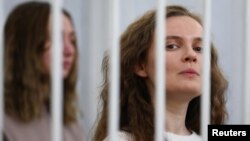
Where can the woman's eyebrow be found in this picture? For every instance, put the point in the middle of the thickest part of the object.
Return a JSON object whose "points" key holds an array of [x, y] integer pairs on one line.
{"points": [[198, 39], [174, 37], [178, 38]]}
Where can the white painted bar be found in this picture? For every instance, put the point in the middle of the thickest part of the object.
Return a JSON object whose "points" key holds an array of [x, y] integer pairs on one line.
{"points": [[246, 105], [205, 97], [114, 74], [160, 71], [92, 56], [1, 69], [57, 91]]}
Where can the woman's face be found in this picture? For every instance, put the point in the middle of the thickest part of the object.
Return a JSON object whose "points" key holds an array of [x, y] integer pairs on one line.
{"points": [[69, 48], [183, 58]]}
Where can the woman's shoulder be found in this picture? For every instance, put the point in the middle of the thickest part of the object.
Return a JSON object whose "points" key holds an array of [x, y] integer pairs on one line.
{"points": [[76, 131], [39, 129], [121, 136], [16, 129]]}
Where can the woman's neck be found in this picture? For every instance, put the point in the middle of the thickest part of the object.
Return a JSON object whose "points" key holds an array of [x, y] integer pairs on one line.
{"points": [[176, 110], [175, 117]]}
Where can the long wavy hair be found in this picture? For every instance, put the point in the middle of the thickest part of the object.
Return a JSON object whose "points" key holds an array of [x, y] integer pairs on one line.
{"points": [[136, 108], [27, 87]]}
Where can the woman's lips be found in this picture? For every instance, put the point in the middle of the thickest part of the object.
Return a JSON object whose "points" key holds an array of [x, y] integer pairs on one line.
{"points": [[189, 72], [66, 64]]}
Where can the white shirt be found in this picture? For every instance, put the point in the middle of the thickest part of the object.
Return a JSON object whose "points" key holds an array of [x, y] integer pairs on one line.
{"points": [[174, 137], [121, 136], [124, 136]]}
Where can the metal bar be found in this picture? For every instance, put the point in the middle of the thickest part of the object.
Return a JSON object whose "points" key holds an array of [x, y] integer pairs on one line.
{"points": [[57, 91], [205, 98], [247, 67], [113, 119], [160, 71], [1, 69]]}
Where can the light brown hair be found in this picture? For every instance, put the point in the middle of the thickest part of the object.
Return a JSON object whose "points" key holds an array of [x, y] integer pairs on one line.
{"points": [[26, 86]]}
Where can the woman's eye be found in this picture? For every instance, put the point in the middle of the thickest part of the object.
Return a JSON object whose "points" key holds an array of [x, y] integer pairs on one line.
{"points": [[198, 49], [172, 47]]}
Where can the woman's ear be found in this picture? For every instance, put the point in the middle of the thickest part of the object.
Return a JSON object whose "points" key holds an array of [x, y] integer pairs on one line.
{"points": [[140, 70]]}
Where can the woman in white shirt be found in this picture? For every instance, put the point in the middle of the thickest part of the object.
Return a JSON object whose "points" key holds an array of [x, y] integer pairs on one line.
{"points": [[183, 88]]}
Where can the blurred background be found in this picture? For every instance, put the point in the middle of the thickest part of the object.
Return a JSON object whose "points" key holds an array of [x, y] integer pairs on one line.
{"points": [[91, 22]]}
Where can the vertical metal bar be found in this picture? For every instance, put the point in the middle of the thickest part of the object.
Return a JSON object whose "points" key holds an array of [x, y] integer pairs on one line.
{"points": [[247, 67], [114, 71], [205, 98], [57, 76], [1, 70], [160, 71], [94, 55]]}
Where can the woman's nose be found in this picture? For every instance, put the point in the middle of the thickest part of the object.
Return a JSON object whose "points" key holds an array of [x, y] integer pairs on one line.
{"points": [[68, 48], [190, 55]]}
